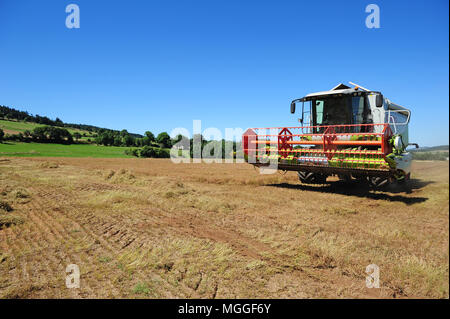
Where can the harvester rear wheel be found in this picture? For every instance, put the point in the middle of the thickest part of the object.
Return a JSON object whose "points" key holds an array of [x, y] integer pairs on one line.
{"points": [[311, 178], [378, 182]]}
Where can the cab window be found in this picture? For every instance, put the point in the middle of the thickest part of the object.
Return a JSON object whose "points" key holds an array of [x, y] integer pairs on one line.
{"points": [[358, 111], [319, 112]]}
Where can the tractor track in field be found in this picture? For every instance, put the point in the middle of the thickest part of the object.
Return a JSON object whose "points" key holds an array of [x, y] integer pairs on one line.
{"points": [[111, 235], [52, 224], [192, 225], [55, 236], [114, 236], [41, 240]]}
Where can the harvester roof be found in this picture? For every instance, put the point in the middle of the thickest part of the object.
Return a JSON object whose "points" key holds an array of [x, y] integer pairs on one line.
{"points": [[338, 90]]}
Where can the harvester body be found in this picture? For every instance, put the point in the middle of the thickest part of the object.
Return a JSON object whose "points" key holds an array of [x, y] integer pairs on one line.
{"points": [[353, 133]]}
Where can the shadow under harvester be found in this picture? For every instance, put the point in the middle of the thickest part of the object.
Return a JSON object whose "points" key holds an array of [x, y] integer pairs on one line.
{"points": [[363, 190]]}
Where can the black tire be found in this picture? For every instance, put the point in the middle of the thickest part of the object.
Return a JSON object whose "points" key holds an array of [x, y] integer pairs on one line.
{"points": [[378, 182], [311, 178], [405, 183], [345, 178], [404, 179]]}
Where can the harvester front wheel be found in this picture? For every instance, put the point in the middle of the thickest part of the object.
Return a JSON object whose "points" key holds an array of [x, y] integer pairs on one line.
{"points": [[404, 180], [311, 178], [378, 182], [345, 178]]}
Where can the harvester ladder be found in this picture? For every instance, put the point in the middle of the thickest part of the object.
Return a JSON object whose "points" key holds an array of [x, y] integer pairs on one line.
{"points": [[306, 125]]}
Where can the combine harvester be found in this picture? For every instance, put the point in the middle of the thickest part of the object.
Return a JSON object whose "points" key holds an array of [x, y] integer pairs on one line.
{"points": [[354, 133]]}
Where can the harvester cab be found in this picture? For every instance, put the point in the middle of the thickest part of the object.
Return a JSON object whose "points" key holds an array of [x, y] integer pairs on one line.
{"points": [[351, 132]]}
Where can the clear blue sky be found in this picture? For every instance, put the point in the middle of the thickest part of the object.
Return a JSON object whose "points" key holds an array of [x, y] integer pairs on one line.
{"points": [[157, 65]]}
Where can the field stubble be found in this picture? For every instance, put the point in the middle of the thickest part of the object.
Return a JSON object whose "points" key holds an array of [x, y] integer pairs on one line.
{"points": [[148, 228]]}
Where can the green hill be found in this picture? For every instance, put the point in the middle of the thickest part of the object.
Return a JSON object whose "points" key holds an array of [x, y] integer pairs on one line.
{"points": [[14, 127], [24, 134]]}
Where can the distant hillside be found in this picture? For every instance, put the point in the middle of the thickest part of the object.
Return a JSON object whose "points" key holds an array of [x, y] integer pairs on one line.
{"points": [[434, 153], [23, 127], [431, 149], [11, 114]]}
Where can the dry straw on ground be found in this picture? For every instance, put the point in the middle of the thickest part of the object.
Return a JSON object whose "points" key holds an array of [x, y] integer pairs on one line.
{"points": [[144, 228]]}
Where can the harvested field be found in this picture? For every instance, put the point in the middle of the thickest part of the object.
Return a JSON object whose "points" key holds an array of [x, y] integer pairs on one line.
{"points": [[148, 228]]}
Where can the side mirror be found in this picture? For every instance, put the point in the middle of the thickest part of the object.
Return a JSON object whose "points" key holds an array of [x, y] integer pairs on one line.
{"points": [[292, 107], [379, 100]]}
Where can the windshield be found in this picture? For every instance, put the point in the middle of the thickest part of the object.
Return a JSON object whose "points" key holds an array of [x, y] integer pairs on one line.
{"points": [[339, 110]]}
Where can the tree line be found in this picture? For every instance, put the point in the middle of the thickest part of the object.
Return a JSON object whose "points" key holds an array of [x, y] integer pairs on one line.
{"points": [[195, 147], [40, 134], [123, 138], [59, 135]]}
